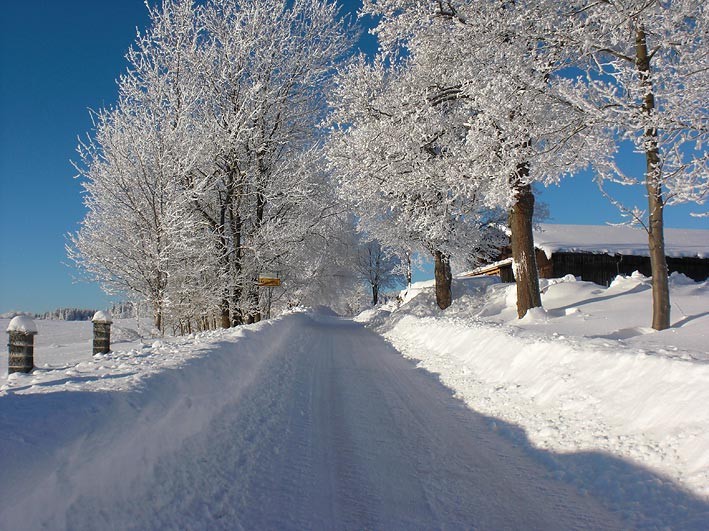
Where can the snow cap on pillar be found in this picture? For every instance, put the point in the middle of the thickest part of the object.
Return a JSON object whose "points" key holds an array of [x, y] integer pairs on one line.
{"points": [[102, 317], [22, 323]]}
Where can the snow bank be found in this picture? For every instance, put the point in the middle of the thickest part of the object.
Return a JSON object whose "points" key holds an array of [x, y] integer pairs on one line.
{"points": [[583, 374], [58, 427]]}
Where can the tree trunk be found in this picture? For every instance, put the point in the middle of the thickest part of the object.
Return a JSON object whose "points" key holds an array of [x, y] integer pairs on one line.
{"points": [[269, 300], [224, 318], [375, 294], [254, 313], [408, 271], [653, 183], [236, 227], [255, 300], [255, 310], [157, 318], [443, 276], [159, 301], [237, 315], [525, 260]]}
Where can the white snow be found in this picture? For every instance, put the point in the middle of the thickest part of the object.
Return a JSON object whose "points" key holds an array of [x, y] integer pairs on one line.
{"points": [[305, 422], [83, 425], [618, 239], [102, 317], [22, 323], [583, 374], [579, 412]]}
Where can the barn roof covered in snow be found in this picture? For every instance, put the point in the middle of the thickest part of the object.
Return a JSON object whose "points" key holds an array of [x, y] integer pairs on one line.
{"points": [[607, 239]]}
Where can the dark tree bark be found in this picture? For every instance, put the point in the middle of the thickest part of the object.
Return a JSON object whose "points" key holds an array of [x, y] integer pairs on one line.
{"points": [[157, 319], [443, 277], [375, 294], [224, 317], [525, 261], [237, 315], [253, 295], [653, 184], [408, 270], [254, 302]]}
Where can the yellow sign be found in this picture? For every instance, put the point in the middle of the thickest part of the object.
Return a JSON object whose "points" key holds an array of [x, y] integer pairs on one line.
{"points": [[268, 282]]}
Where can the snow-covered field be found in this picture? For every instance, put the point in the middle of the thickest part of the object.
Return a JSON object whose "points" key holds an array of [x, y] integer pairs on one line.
{"points": [[585, 374], [65, 343]]}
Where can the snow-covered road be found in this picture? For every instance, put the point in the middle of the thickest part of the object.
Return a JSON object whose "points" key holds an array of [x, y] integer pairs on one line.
{"points": [[338, 431]]}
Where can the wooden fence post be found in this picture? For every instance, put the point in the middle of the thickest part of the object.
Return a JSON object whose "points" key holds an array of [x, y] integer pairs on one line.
{"points": [[102, 332], [22, 330]]}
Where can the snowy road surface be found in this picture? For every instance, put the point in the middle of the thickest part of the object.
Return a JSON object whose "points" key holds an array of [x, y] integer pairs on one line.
{"points": [[338, 431]]}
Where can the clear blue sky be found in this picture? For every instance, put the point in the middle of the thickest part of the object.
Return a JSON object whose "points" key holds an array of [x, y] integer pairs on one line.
{"points": [[57, 60]]}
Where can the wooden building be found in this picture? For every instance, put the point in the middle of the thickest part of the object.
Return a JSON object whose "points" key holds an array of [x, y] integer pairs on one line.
{"points": [[602, 268], [600, 253]]}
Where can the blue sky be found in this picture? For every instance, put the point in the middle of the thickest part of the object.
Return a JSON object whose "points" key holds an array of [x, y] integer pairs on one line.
{"points": [[57, 60]]}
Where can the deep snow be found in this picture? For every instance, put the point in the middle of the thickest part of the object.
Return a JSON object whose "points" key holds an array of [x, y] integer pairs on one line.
{"points": [[97, 426], [578, 416], [305, 422], [585, 373]]}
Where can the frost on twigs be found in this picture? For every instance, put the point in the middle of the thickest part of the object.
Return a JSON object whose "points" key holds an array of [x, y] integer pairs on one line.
{"points": [[434, 139], [208, 169]]}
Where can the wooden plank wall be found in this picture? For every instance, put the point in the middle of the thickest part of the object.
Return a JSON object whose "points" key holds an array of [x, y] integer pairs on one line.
{"points": [[603, 268]]}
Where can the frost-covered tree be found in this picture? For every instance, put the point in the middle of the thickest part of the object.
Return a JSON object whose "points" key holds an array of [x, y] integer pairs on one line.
{"points": [[207, 171], [460, 106], [324, 269], [267, 68], [377, 268], [139, 223], [395, 152], [646, 81], [408, 261]]}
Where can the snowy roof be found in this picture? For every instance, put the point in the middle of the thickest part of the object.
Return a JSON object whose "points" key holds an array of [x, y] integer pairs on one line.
{"points": [[607, 239], [483, 270]]}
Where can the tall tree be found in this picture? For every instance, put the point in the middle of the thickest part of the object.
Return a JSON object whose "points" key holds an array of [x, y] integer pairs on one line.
{"points": [[471, 112], [377, 268], [394, 153], [647, 82], [137, 221], [209, 164], [269, 65]]}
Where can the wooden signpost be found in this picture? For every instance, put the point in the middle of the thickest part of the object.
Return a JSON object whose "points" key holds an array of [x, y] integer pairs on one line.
{"points": [[268, 282]]}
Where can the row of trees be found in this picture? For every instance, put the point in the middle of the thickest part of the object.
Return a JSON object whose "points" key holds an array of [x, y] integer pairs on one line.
{"points": [[469, 103], [214, 164], [67, 314], [207, 171]]}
